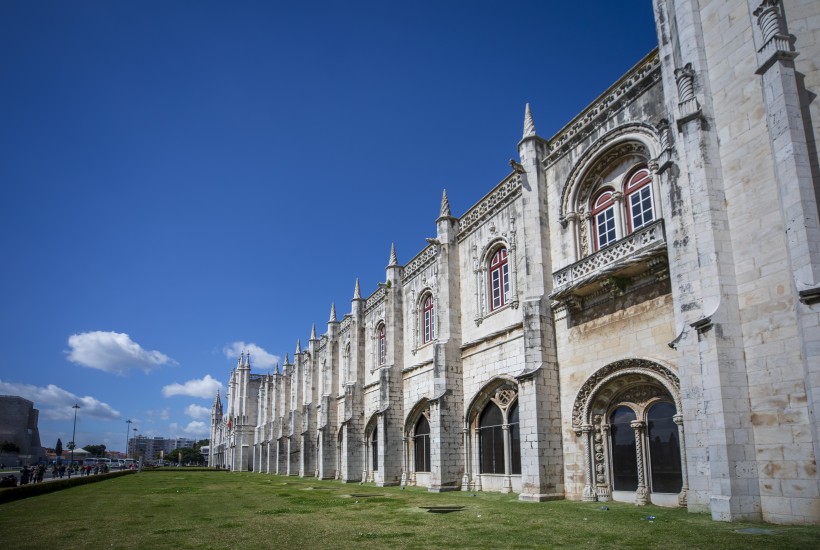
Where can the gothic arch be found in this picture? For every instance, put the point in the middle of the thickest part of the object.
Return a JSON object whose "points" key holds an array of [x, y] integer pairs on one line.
{"points": [[635, 384], [487, 393], [592, 390], [635, 140]]}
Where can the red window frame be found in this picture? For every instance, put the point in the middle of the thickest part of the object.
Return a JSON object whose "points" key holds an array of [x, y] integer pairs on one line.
{"points": [[604, 203], [428, 332], [499, 279], [639, 181]]}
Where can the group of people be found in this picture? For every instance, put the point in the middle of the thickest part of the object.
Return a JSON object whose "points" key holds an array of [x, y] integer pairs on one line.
{"points": [[33, 474]]}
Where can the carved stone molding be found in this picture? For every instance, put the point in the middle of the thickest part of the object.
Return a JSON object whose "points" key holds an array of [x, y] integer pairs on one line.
{"points": [[492, 202], [422, 260], [776, 44], [688, 106], [581, 409], [375, 299], [640, 246], [645, 75]]}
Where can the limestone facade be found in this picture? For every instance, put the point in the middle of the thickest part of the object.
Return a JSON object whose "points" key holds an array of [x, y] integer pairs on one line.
{"points": [[633, 313]]}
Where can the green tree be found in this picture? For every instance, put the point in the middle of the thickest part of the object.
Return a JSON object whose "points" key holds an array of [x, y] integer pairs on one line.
{"points": [[58, 448], [189, 455], [202, 442], [9, 447], [96, 450]]}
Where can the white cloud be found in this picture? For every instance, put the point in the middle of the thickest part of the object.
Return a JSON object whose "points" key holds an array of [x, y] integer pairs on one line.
{"points": [[55, 403], [197, 411], [194, 428], [162, 414], [259, 357], [113, 352], [205, 388]]}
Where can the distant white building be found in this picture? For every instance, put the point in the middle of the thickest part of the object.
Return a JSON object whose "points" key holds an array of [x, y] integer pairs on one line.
{"points": [[632, 314], [151, 447]]}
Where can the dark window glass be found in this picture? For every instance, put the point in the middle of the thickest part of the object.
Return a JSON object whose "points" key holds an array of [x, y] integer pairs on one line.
{"points": [[624, 459], [491, 440], [515, 440], [374, 443], [422, 445], [664, 449]]}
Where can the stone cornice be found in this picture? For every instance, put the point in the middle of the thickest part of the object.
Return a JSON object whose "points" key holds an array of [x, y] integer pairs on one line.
{"points": [[423, 259], [375, 299], [642, 76], [492, 202]]}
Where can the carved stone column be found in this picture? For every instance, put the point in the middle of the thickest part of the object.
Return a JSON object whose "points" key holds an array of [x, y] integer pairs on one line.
{"points": [[620, 218], [477, 465], [602, 477], [684, 491], [404, 464], [688, 105], [506, 487], [589, 493], [572, 218], [642, 492], [513, 265], [465, 480]]}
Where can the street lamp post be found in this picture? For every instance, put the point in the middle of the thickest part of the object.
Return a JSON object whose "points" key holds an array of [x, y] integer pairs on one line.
{"points": [[74, 434], [127, 431]]}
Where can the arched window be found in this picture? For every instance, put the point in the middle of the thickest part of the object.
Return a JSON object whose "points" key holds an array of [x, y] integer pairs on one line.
{"points": [[382, 344], [374, 448], [428, 333], [515, 439], [499, 279], [603, 219], [638, 192], [346, 365], [624, 459], [491, 440], [421, 445], [664, 449]]}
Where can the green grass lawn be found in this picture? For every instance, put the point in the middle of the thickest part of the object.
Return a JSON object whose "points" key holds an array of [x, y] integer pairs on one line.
{"points": [[199, 509]]}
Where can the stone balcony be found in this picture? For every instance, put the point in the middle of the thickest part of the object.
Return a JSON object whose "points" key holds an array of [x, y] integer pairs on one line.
{"points": [[615, 268]]}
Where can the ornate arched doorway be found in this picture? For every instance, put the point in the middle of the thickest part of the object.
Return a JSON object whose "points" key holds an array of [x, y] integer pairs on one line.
{"points": [[627, 415]]}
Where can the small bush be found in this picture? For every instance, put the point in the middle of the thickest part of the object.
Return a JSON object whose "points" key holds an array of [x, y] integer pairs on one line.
{"points": [[34, 489]]}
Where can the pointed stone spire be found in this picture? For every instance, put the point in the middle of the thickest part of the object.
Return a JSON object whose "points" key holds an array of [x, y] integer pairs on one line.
{"points": [[248, 359], [394, 260], [240, 360], [332, 313], [357, 293], [313, 332], [287, 359], [299, 346], [445, 206], [529, 123], [276, 369]]}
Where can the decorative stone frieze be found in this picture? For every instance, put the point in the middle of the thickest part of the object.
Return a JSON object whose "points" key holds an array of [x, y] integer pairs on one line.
{"points": [[422, 260], [642, 245], [495, 200], [643, 76]]}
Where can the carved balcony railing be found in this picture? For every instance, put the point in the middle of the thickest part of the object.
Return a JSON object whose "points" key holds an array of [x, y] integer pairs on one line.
{"points": [[623, 256]]}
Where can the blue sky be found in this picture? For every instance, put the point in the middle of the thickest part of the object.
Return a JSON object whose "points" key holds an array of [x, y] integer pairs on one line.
{"points": [[184, 180]]}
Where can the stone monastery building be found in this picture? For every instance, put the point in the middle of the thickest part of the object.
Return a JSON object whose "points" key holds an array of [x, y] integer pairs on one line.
{"points": [[632, 314]]}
